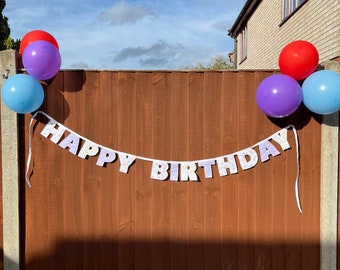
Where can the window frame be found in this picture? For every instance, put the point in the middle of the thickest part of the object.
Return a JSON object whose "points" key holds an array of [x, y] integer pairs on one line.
{"points": [[289, 7], [244, 44]]}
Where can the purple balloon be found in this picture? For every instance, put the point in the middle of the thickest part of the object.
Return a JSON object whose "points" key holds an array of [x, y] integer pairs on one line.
{"points": [[279, 95], [41, 60]]}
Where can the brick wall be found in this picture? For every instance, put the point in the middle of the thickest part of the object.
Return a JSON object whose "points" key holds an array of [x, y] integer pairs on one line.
{"points": [[315, 21]]}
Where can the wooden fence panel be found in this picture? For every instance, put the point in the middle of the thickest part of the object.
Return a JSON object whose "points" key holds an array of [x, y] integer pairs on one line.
{"points": [[83, 216]]}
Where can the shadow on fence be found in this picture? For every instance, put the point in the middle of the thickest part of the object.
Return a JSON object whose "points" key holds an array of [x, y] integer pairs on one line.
{"points": [[144, 255]]}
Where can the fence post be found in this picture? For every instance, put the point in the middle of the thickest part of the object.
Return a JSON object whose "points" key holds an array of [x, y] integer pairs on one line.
{"points": [[329, 185], [10, 170]]}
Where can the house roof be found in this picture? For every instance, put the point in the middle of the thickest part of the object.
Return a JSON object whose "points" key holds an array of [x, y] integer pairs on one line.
{"points": [[242, 19]]}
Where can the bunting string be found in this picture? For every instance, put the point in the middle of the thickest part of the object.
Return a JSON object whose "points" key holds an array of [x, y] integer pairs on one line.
{"points": [[167, 169]]}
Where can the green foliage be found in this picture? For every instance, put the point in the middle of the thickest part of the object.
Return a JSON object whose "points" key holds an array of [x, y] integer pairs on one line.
{"points": [[10, 43], [218, 63], [6, 42], [4, 28]]}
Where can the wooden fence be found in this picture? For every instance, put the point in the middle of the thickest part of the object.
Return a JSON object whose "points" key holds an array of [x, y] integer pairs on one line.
{"points": [[82, 216]]}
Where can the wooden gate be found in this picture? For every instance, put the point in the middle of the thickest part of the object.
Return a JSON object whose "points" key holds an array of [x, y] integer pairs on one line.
{"points": [[82, 216]]}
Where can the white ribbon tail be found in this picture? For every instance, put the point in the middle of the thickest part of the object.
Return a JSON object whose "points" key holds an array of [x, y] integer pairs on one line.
{"points": [[297, 196], [29, 155]]}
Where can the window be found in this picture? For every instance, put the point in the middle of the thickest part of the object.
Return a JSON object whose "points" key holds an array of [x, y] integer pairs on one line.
{"points": [[244, 45], [289, 6]]}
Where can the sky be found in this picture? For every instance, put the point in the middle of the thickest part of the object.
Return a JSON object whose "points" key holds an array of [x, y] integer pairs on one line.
{"points": [[130, 34]]}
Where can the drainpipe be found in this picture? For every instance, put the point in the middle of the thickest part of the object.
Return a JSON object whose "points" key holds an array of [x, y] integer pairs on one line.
{"points": [[236, 54]]}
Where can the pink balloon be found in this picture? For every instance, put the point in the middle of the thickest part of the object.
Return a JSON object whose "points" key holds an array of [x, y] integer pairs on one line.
{"points": [[41, 60]]}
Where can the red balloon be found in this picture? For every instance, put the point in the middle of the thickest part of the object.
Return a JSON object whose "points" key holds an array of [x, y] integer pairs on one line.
{"points": [[36, 35], [299, 59]]}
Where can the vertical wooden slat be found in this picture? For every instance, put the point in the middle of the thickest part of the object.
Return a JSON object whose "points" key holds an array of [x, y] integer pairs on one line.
{"points": [[54, 100], [72, 242], [161, 208], [179, 149], [229, 184], [92, 182], [115, 101], [108, 193], [143, 188], [263, 182], [195, 212], [212, 189], [246, 183], [294, 218], [126, 184]]}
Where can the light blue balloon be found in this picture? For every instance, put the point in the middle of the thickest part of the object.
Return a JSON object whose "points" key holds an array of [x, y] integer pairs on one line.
{"points": [[22, 93], [321, 92]]}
